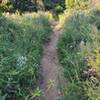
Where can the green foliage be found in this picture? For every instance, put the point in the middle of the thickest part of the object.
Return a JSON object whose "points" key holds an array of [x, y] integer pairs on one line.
{"points": [[78, 39], [20, 5], [76, 30], [95, 17], [78, 4], [6, 5], [73, 92], [24, 5], [21, 39], [56, 6], [92, 89]]}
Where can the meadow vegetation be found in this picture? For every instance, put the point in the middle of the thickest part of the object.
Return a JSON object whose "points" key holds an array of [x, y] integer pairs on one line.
{"points": [[21, 39], [22, 34], [78, 52]]}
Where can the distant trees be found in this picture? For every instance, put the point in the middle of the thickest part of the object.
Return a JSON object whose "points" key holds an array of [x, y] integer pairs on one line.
{"points": [[32, 5], [21, 5], [24, 5], [28, 5], [56, 6]]}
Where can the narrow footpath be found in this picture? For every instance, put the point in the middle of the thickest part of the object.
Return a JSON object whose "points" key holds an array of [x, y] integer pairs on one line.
{"points": [[50, 66]]}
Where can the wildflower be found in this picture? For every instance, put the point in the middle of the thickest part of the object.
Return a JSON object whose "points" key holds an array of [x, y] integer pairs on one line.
{"points": [[71, 46], [21, 61]]}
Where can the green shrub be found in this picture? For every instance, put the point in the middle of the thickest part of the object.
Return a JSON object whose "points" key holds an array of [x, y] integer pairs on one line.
{"points": [[21, 39]]}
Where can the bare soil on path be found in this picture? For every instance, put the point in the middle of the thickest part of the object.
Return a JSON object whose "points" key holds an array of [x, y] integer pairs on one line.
{"points": [[50, 66]]}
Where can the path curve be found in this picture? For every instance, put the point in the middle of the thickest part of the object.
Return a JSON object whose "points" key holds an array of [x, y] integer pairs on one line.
{"points": [[50, 65]]}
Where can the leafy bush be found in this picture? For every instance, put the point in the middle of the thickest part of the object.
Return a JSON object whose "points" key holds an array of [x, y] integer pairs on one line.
{"points": [[21, 39]]}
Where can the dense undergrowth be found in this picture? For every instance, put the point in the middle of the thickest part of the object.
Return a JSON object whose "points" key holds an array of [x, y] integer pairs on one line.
{"points": [[21, 39], [79, 54]]}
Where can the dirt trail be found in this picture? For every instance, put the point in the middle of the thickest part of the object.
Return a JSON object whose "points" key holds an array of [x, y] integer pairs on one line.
{"points": [[50, 65]]}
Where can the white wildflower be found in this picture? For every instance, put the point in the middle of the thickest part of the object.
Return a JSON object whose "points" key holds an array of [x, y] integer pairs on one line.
{"points": [[71, 46], [21, 61]]}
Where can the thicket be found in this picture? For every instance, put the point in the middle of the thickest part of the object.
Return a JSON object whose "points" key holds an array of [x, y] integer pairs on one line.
{"points": [[21, 39]]}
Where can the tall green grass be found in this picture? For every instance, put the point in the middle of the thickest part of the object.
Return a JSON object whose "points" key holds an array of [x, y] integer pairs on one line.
{"points": [[21, 39], [78, 39]]}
